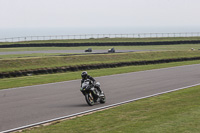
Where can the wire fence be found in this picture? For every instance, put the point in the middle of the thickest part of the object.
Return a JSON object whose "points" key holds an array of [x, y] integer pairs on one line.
{"points": [[98, 36]]}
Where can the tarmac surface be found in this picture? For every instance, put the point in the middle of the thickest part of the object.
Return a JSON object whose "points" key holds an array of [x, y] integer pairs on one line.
{"points": [[33, 104], [66, 51]]}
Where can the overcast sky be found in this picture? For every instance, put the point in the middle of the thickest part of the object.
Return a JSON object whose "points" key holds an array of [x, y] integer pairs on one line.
{"points": [[98, 13]]}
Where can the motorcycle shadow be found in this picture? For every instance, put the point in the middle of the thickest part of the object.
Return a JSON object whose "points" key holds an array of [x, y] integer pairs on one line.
{"points": [[79, 105]]}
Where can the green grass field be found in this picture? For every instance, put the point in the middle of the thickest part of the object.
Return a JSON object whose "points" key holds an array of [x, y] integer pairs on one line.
{"points": [[49, 62], [34, 55], [177, 112]]}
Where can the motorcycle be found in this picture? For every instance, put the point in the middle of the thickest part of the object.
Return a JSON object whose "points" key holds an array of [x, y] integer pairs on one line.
{"points": [[91, 93]]}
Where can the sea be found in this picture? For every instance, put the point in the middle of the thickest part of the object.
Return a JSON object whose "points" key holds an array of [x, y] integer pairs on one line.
{"points": [[52, 31]]}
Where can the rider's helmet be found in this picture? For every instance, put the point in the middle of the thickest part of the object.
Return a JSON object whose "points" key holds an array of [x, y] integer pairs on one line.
{"points": [[84, 75]]}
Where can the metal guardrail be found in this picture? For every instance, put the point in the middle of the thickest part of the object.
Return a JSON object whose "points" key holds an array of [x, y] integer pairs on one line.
{"points": [[98, 36]]}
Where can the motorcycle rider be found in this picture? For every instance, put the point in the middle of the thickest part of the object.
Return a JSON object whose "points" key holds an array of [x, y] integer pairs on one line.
{"points": [[85, 76]]}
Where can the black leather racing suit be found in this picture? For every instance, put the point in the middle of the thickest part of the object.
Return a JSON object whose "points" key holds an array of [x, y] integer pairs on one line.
{"points": [[92, 79]]}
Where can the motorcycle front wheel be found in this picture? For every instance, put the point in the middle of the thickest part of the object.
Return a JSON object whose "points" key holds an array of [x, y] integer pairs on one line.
{"points": [[89, 99]]}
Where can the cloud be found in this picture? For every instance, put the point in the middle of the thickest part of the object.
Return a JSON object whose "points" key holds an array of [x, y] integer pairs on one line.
{"points": [[95, 13]]}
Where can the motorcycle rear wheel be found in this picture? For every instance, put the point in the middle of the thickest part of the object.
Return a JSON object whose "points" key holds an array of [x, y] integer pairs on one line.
{"points": [[103, 99]]}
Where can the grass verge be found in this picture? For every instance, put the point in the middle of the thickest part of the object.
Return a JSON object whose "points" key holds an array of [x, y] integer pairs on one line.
{"points": [[50, 62], [34, 55], [50, 78], [175, 112]]}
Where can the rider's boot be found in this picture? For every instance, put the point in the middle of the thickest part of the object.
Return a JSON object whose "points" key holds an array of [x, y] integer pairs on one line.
{"points": [[101, 92]]}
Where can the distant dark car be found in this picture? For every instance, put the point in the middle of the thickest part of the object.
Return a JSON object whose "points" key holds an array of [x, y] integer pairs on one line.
{"points": [[88, 50], [112, 50]]}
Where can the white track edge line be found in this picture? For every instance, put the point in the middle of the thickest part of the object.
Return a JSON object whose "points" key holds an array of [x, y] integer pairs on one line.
{"points": [[96, 77], [96, 109]]}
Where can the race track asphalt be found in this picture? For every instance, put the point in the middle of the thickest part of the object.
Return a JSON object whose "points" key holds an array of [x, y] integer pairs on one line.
{"points": [[66, 52], [32, 104]]}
